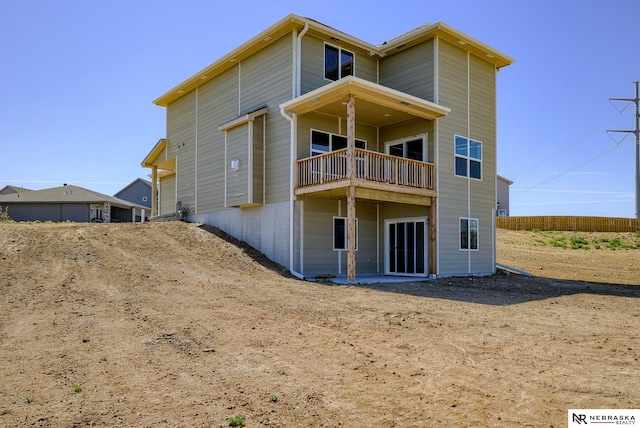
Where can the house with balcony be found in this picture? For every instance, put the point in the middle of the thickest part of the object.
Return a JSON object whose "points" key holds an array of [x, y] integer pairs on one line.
{"points": [[334, 156]]}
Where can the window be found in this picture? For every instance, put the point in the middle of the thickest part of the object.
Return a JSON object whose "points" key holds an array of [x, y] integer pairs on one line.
{"points": [[468, 157], [324, 142], [144, 199], [502, 213], [340, 234], [468, 234], [338, 63], [412, 148]]}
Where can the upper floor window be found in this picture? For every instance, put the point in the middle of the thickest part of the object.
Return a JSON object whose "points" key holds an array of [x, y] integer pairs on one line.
{"points": [[338, 63], [468, 157], [324, 142]]}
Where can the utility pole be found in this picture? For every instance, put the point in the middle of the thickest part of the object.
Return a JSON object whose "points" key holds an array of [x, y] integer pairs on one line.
{"points": [[635, 100]]}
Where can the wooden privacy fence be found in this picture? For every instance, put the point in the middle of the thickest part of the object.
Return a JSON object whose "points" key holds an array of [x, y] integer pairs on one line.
{"points": [[571, 223]]}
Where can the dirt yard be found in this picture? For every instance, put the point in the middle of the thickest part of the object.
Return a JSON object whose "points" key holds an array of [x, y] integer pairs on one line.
{"points": [[169, 325]]}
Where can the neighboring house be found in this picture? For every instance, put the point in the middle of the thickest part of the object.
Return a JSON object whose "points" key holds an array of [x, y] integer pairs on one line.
{"points": [[69, 203], [9, 190], [335, 156], [502, 190], [138, 192]]}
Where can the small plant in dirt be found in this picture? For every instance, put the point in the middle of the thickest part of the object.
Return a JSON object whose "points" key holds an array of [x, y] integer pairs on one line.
{"points": [[77, 388], [236, 421], [274, 398], [578, 242], [29, 399], [559, 242]]}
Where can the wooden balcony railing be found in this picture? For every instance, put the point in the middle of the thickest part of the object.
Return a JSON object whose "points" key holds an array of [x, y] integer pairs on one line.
{"points": [[370, 166]]}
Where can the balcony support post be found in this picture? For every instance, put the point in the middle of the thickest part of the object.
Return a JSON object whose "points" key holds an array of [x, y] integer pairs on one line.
{"points": [[351, 195], [154, 190]]}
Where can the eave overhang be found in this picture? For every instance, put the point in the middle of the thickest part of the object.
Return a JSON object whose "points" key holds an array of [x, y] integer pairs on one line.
{"points": [[376, 105], [297, 23]]}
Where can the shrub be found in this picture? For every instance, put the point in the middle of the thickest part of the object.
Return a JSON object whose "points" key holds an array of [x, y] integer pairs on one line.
{"points": [[578, 242], [4, 215], [236, 421]]}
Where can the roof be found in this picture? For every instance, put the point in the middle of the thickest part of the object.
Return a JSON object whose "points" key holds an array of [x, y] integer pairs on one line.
{"points": [[7, 190], [377, 104], [133, 183], [297, 23], [506, 180], [67, 194]]}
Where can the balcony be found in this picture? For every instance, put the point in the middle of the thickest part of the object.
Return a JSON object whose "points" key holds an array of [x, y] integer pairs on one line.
{"points": [[377, 177]]}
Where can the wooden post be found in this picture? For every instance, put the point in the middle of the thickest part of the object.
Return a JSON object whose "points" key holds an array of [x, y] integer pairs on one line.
{"points": [[154, 191], [432, 238], [351, 196]]}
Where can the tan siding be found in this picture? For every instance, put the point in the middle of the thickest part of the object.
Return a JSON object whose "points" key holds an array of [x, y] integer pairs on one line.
{"points": [[452, 190], [217, 103], [238, 180], [319, 257], [267, 81], [411, 71], [333, 125], [465, 80], [312, 67], [258, 161], [181, 144], [167, 194]]}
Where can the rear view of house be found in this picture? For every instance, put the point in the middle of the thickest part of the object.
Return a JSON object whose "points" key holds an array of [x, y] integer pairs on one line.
{"points": [[334, 156]]}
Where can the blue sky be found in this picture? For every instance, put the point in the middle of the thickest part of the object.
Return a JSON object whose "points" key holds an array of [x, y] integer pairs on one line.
{"points": [[78, 78]]}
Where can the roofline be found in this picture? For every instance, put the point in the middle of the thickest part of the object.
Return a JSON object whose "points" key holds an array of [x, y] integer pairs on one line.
{"points": [[294, 22], [148, 160], [447, 32]]}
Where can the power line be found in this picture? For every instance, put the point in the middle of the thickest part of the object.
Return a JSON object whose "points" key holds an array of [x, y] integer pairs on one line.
{"points": [[636, 101]]}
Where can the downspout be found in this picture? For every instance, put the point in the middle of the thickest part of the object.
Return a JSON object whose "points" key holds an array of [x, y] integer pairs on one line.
{"points": [[298, 58], [291, 196], [297, 63]]}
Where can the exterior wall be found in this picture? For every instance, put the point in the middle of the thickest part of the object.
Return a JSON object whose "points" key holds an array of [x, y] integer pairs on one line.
{"points": [[168, 200], [319, 258], [503, 195], [202, 158], [265, 228], [466, 84], [411, 71], [415, 127], [48, 212], [139, 193], [312, 67], [334, 125]]}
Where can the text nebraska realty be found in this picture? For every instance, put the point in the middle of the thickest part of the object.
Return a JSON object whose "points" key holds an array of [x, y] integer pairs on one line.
{"points": [[605, 419]]}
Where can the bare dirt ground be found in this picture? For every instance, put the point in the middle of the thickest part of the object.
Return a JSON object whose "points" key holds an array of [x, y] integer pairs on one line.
{"points": [[169, 325]]}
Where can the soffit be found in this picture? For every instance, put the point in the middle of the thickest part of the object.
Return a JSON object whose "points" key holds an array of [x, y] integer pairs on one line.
{"points": [[376, 105]]}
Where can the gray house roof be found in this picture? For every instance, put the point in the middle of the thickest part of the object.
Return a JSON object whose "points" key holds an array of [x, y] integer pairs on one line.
{"points": [[66, 194], [8, 190]]}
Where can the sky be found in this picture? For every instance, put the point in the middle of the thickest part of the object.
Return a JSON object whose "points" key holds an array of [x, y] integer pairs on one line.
{"points": [[77, 81]]}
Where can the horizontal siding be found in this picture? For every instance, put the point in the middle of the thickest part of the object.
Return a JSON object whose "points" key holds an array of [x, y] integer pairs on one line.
{"points": [[237, 181], [167, 194], [217, 103], [181, 144], [411, 71], [319, 257], [333, 125], [267, 80], [312, 68]]}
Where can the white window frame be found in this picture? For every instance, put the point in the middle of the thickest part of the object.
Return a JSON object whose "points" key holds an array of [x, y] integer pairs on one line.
{"points": [[403, 141], [468, 158], [477, 227], [316, 152], [346, 234], [502, 213], [340, 50]]}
